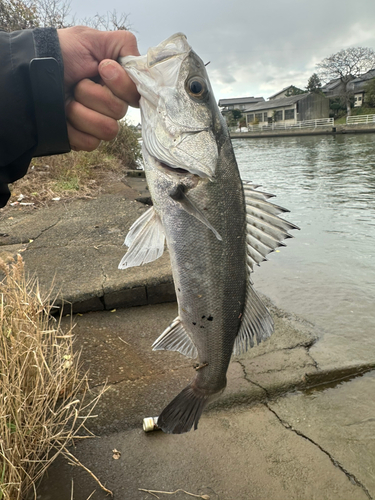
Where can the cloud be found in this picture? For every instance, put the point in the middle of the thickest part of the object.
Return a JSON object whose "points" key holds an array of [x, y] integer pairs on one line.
{"points": [[255, 48]]}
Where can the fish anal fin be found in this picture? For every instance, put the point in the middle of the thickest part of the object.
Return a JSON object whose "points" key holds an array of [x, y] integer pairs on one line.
{"points": [[175, 338], [145, 240]]}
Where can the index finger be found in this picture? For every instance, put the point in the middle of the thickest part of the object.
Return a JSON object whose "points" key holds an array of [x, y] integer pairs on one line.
{"points": [[117, 80]]}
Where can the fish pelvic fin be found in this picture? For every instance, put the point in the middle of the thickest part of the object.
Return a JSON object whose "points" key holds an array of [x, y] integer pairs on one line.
{"points": [[145, 240], [175, 338], [257, 323], [184, 410]]}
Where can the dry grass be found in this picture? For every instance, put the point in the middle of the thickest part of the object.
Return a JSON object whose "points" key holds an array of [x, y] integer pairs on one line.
{"points": [[72, 175], [41, 389], [78, 174]]}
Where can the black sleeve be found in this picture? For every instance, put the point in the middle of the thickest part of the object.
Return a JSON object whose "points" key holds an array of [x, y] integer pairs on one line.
{"points": [[32, 114]]}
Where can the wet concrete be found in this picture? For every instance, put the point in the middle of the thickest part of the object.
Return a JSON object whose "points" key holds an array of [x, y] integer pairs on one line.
{"points": [[261, 439]]}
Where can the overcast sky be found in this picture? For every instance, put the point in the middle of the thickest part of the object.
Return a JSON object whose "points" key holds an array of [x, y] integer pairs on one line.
{"points": [[255, 48]]}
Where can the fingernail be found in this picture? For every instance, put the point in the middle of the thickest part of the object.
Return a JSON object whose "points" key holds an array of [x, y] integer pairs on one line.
{"points": [[108, 70]]}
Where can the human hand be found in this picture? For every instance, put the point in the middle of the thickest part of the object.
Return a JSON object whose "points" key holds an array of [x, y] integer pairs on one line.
{"points": [[93, 108]]}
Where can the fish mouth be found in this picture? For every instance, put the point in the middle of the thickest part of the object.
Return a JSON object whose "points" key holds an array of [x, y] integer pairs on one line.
{"points": [[171, 170], [178, 170]]}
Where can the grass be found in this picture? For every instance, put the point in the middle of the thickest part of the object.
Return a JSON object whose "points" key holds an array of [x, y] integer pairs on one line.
{"points": [[42, 406], [78, 174], [355, 112]]}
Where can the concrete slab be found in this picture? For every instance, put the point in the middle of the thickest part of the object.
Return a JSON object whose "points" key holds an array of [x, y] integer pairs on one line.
{"points": [[340, 421], [237, 454]]}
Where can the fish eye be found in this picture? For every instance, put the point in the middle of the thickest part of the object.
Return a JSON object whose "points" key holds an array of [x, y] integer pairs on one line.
{"points": [[197, 87]]}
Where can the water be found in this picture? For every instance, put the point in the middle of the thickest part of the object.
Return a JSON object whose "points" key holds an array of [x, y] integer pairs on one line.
{"points": [[327, 272]]}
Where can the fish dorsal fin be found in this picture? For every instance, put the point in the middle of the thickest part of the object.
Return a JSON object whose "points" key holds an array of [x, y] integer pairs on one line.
{"points": [[264, 233], [145, 240], [257, 323], [175, 338], [264, 229]]}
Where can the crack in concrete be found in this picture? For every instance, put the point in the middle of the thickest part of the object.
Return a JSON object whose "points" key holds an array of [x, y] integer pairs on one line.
{"points": [[46, 229], [246, 377], [352, 478], [315, 363], [306, 345], [104, 281]]}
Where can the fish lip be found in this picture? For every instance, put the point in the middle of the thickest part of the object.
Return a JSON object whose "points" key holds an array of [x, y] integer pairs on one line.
{"points": [[172, 169], [169, 169]]}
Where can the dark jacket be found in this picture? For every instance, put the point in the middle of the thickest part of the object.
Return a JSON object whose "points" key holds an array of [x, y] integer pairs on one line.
{"points": [[32, 114]]}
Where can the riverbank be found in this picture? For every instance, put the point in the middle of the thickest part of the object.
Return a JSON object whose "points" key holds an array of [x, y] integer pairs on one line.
{"points": [[75, 247], [295, 132]]}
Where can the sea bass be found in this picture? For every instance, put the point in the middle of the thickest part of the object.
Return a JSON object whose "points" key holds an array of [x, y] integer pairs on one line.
{"points": [[216, 227]]}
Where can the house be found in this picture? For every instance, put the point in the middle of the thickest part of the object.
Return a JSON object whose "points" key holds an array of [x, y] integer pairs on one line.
{"points": [[286, 92], [335, 88], [288, 110], [358, 87], [240, 103]]}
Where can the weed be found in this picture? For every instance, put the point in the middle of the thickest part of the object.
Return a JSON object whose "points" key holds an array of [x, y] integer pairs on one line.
{"points": [[42, 392]]}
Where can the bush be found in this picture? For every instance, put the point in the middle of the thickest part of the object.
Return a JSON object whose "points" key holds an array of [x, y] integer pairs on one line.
{"points": [[79, 174], [125, 147]]}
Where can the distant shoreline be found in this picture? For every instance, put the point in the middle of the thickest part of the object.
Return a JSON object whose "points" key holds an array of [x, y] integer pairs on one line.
{"points": [[340, 129]]}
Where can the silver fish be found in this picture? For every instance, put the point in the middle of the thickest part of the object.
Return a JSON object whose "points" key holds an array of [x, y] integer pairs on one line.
{"points": [[216, 226]]}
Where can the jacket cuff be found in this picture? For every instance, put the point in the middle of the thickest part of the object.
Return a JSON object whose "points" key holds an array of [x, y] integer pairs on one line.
{"points": [[47, 76]]}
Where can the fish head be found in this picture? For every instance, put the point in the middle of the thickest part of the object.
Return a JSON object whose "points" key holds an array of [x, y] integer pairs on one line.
{"points": [[181, 122]]}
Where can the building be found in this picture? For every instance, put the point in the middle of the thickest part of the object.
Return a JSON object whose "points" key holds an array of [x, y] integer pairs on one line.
{"points": [[240, 103], [287, 92], [358, 87], [288, 110], [334, 88]]}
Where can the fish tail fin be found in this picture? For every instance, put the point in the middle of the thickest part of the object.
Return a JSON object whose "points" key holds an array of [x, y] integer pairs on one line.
{"points": [[184, 410]]}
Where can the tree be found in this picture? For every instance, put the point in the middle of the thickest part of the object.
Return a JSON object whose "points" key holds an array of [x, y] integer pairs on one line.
{"points": [[233, 117], [18, 15], [23, 14], [294, 91], [370, 93], [346, 65], [314, 84]]}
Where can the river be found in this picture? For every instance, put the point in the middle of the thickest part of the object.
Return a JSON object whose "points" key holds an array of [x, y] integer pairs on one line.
{"points": [[326, 274]]}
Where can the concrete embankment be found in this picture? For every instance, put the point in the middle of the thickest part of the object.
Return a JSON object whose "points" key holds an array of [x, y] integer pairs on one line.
{"points": [[252, 443], [339, 129]]}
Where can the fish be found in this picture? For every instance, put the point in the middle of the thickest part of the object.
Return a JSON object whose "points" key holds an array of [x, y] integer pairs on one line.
{"points": [[216, 226]]}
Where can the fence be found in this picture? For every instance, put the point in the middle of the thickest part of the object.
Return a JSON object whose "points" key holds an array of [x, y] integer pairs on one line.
{"points": [[311, 124], [360, 120]]}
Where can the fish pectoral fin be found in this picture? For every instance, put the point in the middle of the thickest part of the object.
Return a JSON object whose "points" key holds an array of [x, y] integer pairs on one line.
{"points": [[264, 229], [175, 338], [145, 240], [257, 323], [189, 207]]}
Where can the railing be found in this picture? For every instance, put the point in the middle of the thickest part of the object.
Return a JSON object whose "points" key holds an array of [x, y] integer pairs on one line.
{"points": [[311, 124], [360, 120]]}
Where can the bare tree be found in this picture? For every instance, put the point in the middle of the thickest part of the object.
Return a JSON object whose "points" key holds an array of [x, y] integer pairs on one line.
{"points": [[346, 65], [111, 21], [18, 15], [23, 14], [53, 13]]}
